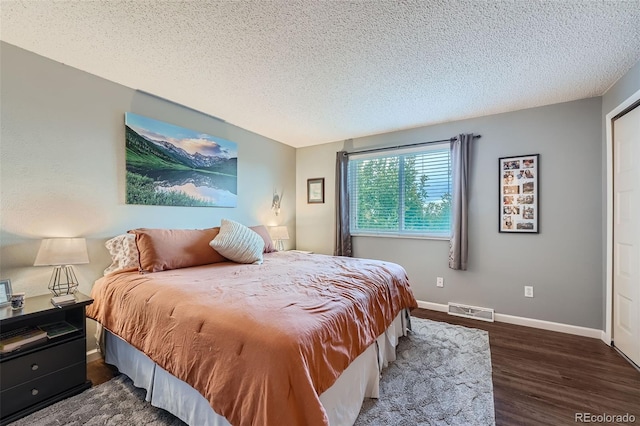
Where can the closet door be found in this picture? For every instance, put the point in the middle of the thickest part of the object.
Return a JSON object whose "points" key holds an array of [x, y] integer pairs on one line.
{"points": [[626, 234]]}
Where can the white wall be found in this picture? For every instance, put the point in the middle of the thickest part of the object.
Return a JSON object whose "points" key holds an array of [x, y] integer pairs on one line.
{"points": [[62, 167], [563, 262], [315, 223]]}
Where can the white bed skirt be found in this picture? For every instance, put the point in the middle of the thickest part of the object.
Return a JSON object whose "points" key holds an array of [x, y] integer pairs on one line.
{"points": [[342, 401]]}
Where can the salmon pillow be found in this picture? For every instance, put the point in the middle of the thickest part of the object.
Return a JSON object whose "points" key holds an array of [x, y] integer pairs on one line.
{"points": [[268, 242], [166, 249]]}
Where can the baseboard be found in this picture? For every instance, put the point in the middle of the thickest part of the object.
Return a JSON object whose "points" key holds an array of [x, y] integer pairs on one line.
{"points": [[93, 355], [551, 326], [433, 306], [528, 322]]}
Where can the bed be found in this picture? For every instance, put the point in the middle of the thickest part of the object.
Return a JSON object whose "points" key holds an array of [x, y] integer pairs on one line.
{"points": [[299, 339]]}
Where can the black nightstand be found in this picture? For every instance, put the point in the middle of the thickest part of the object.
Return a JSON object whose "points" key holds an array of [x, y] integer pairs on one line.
{"points": [[39, 375]]}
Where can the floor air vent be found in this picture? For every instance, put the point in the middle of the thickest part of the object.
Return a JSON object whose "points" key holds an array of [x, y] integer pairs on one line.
{"points": [[484, 314]]}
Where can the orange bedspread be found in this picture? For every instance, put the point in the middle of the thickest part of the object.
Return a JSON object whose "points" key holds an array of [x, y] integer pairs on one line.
{"points": [[260, 342]]}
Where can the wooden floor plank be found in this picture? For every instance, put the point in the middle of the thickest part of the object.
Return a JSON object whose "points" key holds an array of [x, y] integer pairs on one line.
{"points": [[540, 377]]}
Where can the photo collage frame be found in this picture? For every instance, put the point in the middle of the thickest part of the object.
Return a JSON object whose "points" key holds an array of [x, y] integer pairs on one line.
{"points": [[519, 212]]}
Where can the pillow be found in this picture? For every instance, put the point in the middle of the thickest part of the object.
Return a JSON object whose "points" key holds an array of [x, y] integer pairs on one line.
{"points": [[166, 249], [238, 243], [124, 253], [268, 243]]}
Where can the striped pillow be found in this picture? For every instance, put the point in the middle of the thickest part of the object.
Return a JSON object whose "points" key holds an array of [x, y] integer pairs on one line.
{"points": [[238, 243]]}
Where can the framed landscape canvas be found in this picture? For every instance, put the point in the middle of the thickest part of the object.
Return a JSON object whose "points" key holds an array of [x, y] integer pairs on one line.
{"points": [[168, 165], [518, 194]]}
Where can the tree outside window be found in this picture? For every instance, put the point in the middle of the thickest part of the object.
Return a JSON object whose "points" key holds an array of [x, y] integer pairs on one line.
{"points": [[401, 193]]}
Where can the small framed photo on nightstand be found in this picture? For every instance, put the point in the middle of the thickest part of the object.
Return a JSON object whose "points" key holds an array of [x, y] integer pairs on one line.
{"points": [[5, 292]]}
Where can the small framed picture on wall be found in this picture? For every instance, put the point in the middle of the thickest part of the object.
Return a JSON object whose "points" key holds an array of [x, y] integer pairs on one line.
{"points": [[518, 194], [315, 191]]}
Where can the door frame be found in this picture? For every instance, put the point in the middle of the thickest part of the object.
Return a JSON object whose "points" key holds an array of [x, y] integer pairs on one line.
{"points": [[608, 318]]}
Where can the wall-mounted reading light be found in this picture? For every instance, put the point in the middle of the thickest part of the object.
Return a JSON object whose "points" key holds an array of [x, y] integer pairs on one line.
{"points": [[275, 203]]}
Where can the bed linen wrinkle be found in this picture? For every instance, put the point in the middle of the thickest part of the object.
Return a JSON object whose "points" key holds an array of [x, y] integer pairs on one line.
{"points": [[274, 336]]}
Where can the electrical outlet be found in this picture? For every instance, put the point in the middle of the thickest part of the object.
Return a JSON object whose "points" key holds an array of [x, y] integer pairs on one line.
{"points": [[440, 281], [528, 291]]}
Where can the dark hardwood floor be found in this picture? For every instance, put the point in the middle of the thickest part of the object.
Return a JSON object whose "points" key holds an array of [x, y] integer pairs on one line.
{"points": [[539, 377]]}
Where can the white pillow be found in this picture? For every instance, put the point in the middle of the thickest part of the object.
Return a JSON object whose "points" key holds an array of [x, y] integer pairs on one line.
{"points": [[124, 253], [238, 243]]}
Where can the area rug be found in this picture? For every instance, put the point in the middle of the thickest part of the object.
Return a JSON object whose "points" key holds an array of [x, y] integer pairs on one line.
{"points": [[442, 376]]}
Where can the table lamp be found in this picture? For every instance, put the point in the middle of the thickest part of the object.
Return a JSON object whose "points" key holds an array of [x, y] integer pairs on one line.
{"points": [[62, 253], [279, 233]]}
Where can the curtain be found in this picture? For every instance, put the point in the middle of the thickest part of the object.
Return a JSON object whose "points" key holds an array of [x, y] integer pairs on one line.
{"points": [[458, 247], [343, 235]]}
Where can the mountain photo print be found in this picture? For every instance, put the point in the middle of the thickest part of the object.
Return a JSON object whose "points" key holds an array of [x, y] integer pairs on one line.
{"points": [[168, 165]]}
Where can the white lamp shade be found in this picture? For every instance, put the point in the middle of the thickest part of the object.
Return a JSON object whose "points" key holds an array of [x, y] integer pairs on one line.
{"points": [[279, 233], [62, 251]]}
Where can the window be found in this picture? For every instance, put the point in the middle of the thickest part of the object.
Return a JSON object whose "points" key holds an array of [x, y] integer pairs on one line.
{"points": [[401, 192]]}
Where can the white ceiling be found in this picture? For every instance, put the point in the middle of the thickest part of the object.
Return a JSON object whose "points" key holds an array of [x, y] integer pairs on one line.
{"points": [[306, 72]]}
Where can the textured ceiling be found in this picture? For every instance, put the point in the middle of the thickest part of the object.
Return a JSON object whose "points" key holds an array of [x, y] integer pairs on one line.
{"points": [[309, 72]]}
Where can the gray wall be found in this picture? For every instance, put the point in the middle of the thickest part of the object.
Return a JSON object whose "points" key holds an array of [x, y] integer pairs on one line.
{"points": [[563, 262], [62, 167], [62, 174]]}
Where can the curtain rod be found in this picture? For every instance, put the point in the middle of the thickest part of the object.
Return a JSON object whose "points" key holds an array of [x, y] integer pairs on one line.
{"points": [[407, 146]]}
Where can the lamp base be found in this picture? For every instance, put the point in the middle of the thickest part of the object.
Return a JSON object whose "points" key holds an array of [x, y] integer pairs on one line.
{"points": [[63, 280], [279, 245]]}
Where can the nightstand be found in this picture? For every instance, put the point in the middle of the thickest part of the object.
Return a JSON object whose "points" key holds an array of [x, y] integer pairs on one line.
{"points": [[301, 251], [36, 376]]}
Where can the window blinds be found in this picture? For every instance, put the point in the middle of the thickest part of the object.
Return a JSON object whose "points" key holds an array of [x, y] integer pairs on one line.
{"points": [[401, 192]]}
